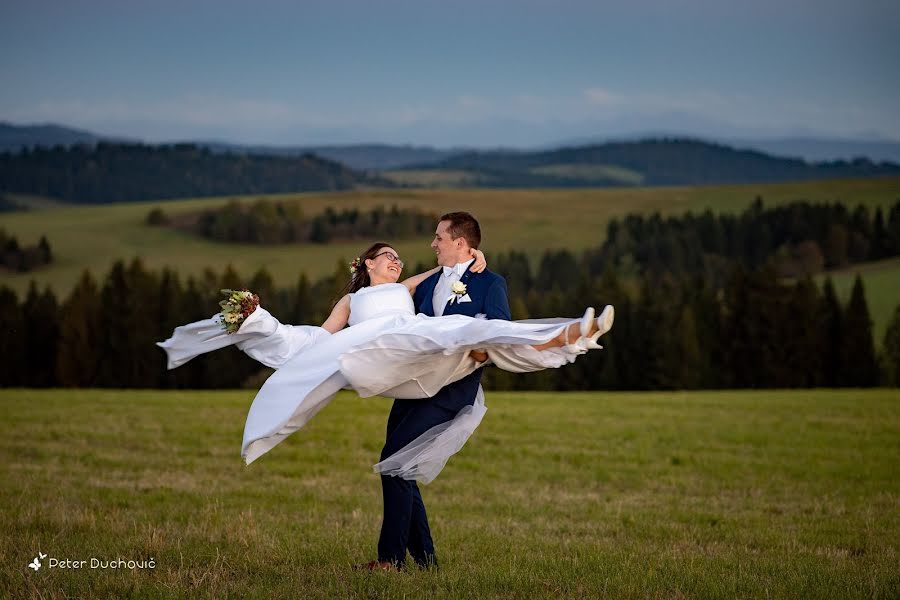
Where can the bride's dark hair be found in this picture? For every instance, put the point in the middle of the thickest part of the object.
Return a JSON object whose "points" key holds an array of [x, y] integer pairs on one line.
{"points": [[360, 278]]}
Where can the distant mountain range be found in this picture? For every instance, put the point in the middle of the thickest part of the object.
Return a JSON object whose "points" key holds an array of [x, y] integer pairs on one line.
{"points": [[381, 157], [119, 171], [15, 137]]}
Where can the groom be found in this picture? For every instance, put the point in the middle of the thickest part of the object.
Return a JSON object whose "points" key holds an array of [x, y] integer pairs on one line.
{"points": [[405, 525]]}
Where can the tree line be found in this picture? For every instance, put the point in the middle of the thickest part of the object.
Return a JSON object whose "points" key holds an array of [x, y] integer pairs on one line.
{"points": [[756, 331], [121, 172], [800, 238], [22, 259], [267, 222]]}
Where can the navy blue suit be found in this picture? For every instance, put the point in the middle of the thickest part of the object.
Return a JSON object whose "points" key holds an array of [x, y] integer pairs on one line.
{"points": [[405, 525]]}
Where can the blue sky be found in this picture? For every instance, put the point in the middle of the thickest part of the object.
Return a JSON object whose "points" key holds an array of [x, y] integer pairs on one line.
{"points": [[454, 72]]}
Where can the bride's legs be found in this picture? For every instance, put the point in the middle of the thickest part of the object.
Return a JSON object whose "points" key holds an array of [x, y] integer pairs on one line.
{"points": [[568, 335], [574, 331]]}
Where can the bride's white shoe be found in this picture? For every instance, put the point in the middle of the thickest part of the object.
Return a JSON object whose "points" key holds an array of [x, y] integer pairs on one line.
{"points": [[604, 324], [577, 347]]}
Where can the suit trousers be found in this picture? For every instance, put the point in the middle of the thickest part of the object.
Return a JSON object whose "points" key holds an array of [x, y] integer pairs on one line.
{"points": [[405, 524]]}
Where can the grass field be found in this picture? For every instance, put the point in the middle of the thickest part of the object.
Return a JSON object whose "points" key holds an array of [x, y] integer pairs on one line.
{"points": [[752, 494], [93, 236]]}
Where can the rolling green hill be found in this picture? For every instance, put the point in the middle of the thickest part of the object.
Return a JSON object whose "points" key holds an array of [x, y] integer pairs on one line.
{"points": [[645, 162], [119, 172]]}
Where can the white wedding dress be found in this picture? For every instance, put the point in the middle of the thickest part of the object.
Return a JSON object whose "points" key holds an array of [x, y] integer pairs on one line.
{"points": [[387, 350]]}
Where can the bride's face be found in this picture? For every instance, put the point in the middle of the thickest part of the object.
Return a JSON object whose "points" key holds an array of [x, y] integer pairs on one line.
{"points": [[385, 267]]}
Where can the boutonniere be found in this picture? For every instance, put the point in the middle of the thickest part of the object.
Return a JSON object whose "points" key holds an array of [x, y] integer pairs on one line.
{"points": [[459, 290]]}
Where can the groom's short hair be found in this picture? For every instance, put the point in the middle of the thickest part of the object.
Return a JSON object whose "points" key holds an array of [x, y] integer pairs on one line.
{"points": [[463, 224]]}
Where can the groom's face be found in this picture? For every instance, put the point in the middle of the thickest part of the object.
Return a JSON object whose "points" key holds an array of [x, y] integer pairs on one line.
{"points": [[447, 250]]}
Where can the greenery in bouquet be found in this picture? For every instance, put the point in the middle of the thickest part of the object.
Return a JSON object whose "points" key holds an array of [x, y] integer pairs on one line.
{"points": [[236, 307]]}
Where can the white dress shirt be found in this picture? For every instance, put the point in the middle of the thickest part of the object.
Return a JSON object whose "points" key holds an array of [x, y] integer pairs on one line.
{"points": [[442, 291]]}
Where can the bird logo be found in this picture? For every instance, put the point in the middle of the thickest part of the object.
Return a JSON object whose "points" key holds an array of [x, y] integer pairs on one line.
{"points": [[36, 563]]}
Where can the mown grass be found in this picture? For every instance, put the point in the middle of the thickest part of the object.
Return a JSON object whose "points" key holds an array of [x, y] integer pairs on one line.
{"points": [[731, 494], [531, 220]]}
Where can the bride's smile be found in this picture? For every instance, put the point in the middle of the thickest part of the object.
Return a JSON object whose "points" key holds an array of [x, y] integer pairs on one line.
{"points": [[384, 267]]}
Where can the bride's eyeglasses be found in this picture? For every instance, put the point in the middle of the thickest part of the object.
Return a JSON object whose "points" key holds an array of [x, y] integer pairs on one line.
{"points": [[391, 257]]}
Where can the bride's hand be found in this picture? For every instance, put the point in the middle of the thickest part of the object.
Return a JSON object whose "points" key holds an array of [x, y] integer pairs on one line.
{"points": [[480, 263], [478, 355]]}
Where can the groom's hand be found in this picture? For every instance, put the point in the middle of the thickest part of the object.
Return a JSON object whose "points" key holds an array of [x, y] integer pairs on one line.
{"points": [[478, 355]]}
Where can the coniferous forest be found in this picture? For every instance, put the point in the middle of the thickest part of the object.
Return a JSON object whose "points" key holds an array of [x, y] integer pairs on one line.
{"points": [[16, 257], [267, 222], [702, 301], [114, 172]]}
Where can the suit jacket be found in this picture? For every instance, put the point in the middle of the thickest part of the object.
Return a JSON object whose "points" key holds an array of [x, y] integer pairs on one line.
{"points": [[490, 298]]}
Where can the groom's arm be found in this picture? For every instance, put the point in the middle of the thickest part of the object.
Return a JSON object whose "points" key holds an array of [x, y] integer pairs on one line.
{"points": [[496, 302], [496, 306]]}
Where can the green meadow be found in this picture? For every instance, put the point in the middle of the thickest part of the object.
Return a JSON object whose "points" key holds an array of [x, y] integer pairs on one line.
{"points": [[723, 494]]}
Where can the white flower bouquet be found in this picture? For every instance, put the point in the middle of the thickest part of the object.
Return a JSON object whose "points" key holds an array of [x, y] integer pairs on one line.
{"points": [[237, 306]]}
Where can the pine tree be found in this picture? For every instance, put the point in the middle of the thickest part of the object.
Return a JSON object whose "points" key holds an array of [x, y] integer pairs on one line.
{"points": [[230, 279], [518, 308], [740, 342], [12, 339], [77, 358], [803, 337], [172, 313], [302, 310], [114, 321], [690, 361], [890, 351], [196, 304], [129, 328], [147, 363], [609, 291], [881, 243], [706, 308], [46, 255], [263, 285], [832, 318], [860, 368], [654, 343], [41, 314]]}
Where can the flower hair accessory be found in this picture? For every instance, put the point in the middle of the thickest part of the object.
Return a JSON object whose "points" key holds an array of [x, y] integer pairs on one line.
{"points": [[354, 265]]}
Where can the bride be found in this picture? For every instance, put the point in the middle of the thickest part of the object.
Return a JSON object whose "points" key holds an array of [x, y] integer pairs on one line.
{"points": [[387, 350]]}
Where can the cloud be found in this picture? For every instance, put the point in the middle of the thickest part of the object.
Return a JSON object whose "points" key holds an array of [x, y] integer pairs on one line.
{"points": [[603, 98]]}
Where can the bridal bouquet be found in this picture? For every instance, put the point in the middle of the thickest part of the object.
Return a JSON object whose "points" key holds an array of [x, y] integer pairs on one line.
{"points": [[237, 306]]}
